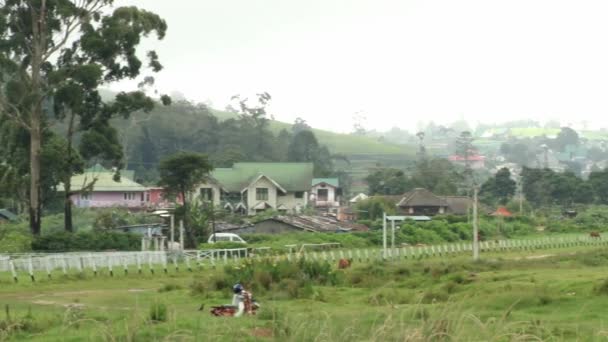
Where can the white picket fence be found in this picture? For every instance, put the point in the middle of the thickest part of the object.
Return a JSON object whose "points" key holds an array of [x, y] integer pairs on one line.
{"points": [[33, 264]]}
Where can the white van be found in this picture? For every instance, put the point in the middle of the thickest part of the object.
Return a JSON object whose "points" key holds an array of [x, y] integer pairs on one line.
{"points": [[225, 237]]}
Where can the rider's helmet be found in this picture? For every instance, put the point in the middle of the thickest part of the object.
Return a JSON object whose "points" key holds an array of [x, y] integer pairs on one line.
{"points": [[237, 288]]}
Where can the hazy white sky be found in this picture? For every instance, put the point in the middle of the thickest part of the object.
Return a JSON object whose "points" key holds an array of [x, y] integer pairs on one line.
{"points": [[397, 61]]}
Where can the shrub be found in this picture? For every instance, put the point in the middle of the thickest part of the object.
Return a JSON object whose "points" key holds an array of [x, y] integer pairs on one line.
{"points": [[601, 288], [169, 288], [158, 312], [86, 241], [15, 242], [430, 297], [199, 288], [222, 245]]}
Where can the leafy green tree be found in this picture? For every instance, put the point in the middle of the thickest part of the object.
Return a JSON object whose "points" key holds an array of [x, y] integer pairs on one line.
{"points": [[537, 186], [373, 208], [179, 175], [52, 47], [500, 188], [437, 175], [388, 182], [599, 183], [304, 147], [300, 125], [567, 136]]}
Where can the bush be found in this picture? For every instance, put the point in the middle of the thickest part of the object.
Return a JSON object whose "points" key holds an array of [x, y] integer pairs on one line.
{"points": [[222, 245], [601, 288], [169, 288], [158, 313], [15, 242], [86, 241]]}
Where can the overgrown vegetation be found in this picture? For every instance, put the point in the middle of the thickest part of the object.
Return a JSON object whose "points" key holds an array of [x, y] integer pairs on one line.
{"points": [[536, 298]]}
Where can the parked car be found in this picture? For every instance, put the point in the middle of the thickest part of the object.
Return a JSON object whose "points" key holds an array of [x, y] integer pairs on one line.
{"points": [[225, 237]]}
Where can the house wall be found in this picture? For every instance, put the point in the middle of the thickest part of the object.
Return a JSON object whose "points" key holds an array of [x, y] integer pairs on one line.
{"points": [[293, 204], [263, 182], [333, 200], [423, 210], [109, 199], [331, 192], [216, 192]]}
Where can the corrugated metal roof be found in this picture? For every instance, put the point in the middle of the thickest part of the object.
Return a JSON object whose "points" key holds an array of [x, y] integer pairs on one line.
{"points": [[5, 213], [421, 197], [291, 176], [104, 181], [329, 181]]}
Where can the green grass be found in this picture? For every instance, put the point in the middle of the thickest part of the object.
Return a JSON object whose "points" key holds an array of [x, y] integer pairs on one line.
{"points": [[552, 298]]}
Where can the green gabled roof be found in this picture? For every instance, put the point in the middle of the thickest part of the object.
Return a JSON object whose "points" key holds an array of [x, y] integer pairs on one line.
{"points": [[291, 176], [329, 181], [105, 182], [4, 213]]}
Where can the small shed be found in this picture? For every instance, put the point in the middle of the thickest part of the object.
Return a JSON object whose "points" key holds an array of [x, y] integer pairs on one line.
{"points": [[7, 216], [501, 212]]}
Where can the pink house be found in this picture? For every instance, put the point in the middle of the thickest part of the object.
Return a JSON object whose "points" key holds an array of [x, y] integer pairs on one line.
{"points": [[158, 200], [475, 161], [107, 192]]}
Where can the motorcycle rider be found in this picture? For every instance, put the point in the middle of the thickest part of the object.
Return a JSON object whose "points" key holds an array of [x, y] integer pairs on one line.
{"points": [[243, 301]]}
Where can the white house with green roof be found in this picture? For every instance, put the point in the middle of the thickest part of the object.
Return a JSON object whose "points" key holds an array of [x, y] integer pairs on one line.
{"points": [[250, 188], [325, 193], [106, 191]]}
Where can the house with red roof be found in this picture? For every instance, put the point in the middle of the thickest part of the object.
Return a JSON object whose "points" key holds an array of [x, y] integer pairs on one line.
{"points": [[475, 161]]}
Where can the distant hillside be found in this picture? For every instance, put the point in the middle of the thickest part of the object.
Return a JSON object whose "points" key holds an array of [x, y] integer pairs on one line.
{"points": [[347, 144]]}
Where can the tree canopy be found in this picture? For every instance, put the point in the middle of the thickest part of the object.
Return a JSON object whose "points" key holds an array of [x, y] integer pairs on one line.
{"points": [[179, 175]]}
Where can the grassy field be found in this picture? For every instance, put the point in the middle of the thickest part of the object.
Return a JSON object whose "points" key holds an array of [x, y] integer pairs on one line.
{"points": [[550, 295], [340, 143]]}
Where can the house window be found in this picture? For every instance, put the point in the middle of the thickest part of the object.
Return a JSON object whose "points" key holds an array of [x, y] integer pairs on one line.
{"points": [[129, 196], [85, 196], [147, 197], [322, 195], [207, 194], [299, 194], [261, 194]]}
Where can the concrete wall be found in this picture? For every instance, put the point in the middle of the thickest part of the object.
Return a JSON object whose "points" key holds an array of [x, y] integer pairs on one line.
{"points": [[291, 202]]}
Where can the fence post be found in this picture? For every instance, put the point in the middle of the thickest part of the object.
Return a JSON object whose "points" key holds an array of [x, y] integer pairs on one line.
{"points": [[30, 268], [64, 266], [125, 264], [94, 264], [11, 265], [81, 265], [47, 266], [138, 262], [150, 262], [164, 261], [187, 259], [109, 263], [175, 263]]}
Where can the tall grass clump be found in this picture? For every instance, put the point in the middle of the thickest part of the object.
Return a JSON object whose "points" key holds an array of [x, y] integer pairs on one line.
{"points": [[158, 313]]}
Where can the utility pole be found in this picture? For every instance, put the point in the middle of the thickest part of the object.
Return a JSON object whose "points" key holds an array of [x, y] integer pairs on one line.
{"points": [[384, 234], [521, 198], [172, 229], [475, 228], [212, 214], [393, 236]]}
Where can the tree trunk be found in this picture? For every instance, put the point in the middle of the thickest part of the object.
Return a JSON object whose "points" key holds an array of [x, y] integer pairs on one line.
{"points": [[38, 44], [35, 147], [67, 182], [189, 233]]}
